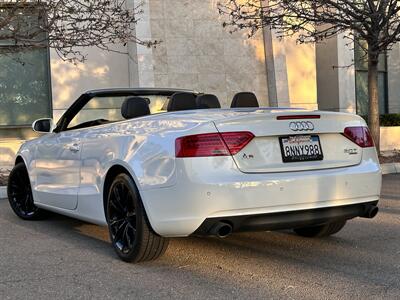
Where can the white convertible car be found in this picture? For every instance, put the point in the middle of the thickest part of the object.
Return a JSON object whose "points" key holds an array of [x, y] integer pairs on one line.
{"points": [[171, 163]]}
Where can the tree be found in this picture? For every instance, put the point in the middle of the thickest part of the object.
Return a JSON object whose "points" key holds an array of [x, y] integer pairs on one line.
{"points": [[377, 22], [67, 25]]}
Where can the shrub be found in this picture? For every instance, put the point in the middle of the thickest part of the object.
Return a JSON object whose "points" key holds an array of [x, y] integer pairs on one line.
{"points": [[388, 119]]}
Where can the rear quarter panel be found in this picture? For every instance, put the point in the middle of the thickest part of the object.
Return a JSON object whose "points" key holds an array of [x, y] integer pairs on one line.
{"points": [[145, 147]]}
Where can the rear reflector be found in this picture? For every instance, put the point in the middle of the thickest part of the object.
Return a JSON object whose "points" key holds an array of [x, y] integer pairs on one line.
{"points": [[359, 135], [212, 144], [298, 117]]}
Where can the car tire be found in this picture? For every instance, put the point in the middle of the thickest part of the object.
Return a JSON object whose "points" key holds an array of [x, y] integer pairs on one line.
{"points": [[20, 196], [321, 230], [130, 232]]}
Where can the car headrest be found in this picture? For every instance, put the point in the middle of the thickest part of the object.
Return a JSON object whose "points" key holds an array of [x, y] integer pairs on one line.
{"points": [[207, 101], [181, 101], [134, 107], [245, 99]]}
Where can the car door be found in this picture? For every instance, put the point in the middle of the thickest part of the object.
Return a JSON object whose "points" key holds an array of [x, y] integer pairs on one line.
{"points": [[57, 169]]}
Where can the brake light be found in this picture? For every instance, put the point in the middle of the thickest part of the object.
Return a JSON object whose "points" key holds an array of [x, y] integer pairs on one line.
{"points": [[359, 135], [298, 117], [212, 144]]}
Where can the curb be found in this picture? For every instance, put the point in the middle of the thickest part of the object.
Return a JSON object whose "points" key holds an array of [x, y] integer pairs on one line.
{"points": [[392, 168], [3, 192]]}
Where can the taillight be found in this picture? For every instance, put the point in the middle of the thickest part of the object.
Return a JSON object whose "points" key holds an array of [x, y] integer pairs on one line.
{"points": [[212, 144], [359, 135]]}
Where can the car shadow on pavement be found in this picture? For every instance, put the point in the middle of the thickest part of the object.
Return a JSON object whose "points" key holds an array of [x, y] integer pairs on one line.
{"points": [[336, 256], [67, 230]]}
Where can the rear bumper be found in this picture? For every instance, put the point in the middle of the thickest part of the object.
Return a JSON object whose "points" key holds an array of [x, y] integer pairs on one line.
{"points": [[209, 188], [287, 220]]}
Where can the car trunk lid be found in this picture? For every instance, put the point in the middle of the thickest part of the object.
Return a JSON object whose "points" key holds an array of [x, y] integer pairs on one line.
{"points": [[277, 131]]}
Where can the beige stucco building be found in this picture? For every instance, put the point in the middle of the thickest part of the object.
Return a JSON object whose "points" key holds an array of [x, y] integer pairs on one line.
{"points": [[196, 52]]}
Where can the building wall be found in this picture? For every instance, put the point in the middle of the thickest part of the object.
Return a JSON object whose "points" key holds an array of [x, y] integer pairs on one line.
{"points": [[198, 53], [100, 70]]}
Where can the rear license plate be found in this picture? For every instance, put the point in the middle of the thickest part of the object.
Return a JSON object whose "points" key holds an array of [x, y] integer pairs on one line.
{"points": [[300, 148]]}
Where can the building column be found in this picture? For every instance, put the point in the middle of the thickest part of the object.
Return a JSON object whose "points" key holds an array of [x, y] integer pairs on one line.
{"points": [[291, 72], [141, 66], [336, 75], [275, 61], [393, 79]]}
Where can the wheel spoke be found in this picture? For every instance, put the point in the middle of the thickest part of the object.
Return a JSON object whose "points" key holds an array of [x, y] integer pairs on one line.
{"points": [[26, 203], [129, 204], [133, 229], [130, 233], [126, 238], [120, 230], [115, 222], [14, 185], [119, 209], [132, 220], [117, 194]]}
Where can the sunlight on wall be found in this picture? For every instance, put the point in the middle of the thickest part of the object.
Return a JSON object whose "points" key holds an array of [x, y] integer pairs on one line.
{"points": [[198, 53], [258, 46], [64, 76], [301, 70], [7, 152], [100, 70]]}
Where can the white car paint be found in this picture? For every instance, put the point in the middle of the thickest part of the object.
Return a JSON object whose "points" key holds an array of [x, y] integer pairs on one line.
{"points": [[68, 169]]}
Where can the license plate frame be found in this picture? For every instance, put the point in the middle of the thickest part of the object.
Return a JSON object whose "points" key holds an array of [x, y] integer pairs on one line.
{"points": [[301, 157]]}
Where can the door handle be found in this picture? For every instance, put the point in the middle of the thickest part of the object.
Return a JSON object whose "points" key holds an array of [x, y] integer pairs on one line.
{"points": [[74, 148]]}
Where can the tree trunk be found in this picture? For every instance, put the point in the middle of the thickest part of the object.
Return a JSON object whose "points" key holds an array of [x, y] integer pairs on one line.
{"points": [[373, 116]]}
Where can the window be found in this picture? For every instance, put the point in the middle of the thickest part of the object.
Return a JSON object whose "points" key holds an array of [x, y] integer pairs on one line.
{"points": [[24, 77], [361, 68]]}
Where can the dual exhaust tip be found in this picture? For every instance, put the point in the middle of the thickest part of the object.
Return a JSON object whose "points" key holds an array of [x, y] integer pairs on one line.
{"points": [[221, 230], [370, 211]]}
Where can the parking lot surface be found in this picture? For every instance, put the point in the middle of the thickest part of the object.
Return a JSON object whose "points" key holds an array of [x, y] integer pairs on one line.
{"points": [[65, 258]]}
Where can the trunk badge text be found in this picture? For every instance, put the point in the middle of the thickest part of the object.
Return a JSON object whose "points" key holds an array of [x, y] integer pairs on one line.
{"points": [[352, 151], [301, 126]]}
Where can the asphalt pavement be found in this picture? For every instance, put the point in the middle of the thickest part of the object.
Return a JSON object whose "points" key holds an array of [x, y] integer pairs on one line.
{"points": [[61, 258]]}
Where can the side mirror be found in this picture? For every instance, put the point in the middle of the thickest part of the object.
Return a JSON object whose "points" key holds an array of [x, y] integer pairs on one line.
{"points": [[43, 125]]}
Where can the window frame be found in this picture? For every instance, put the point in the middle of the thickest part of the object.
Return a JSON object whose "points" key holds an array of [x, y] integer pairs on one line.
{"points": [[12, 45], [359, 69], [79, 104]]}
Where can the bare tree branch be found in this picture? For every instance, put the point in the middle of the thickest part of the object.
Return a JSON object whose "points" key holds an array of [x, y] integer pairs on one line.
{"points": [[68, 26], [377, 22]]}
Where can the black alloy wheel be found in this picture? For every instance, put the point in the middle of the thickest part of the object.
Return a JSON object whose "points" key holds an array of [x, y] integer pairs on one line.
{"points": [[20, 194], [130, 233]]}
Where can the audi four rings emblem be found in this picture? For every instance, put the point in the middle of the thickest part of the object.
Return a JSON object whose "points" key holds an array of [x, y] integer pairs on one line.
{"points": [[301, 126]]}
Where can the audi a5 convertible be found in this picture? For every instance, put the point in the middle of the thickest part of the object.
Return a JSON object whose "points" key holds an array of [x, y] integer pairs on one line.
{"points": [[158, 163]]}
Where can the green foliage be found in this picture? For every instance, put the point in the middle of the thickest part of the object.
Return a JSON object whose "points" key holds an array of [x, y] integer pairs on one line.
{"points": [[390, 120], [387, 120]]}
